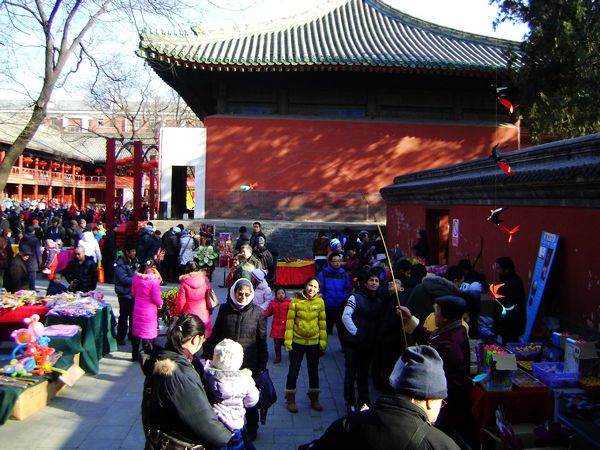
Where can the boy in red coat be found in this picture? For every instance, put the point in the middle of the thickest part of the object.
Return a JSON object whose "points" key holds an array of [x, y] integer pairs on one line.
{"points": [[279, 310]]}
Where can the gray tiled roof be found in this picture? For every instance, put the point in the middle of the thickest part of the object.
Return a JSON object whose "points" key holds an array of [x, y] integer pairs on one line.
{"points": [[351, 34]]}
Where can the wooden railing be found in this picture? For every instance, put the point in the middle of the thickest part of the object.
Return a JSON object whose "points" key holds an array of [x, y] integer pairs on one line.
{"points": [[25, 175]]}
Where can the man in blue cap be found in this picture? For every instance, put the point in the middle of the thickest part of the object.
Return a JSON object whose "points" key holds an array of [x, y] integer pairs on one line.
{"points": [[402, 420]]}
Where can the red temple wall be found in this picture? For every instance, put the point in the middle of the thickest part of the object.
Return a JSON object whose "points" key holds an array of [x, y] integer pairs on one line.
{"points": [[318, 169], [574, 286]]}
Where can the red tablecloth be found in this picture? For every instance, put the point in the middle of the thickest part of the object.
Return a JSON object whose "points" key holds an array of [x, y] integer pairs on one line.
{"points": [[12, 319], [63, 259], [293, 276], [518, 406]]}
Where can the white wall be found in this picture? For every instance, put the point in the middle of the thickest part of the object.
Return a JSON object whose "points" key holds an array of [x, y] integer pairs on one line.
{"points": [[183, 147]]}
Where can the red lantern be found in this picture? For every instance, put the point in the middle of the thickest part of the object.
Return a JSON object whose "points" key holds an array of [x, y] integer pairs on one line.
{"points": [[77, 169], [55, 165], [27, 160], [98, 170], [154, 163], [129, 171], [146, 167], [68, 167], [42, 164]]}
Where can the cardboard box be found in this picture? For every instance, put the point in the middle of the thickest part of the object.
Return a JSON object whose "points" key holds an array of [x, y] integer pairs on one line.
{"points": [[31, 401], [581, 356]]}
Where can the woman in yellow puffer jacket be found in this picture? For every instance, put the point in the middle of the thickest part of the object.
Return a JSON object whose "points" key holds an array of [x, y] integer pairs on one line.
{"points": [[305, 333]]}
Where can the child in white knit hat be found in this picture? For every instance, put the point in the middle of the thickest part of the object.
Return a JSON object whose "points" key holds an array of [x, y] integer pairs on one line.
{"points": [[233, 389]]}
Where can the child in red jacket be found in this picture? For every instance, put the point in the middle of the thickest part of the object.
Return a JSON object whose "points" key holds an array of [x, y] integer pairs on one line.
{"points": [[279, 310]]}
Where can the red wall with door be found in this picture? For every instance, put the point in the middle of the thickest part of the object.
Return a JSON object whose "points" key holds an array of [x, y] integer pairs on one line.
{"points": [[321, 169], [573, 292]]}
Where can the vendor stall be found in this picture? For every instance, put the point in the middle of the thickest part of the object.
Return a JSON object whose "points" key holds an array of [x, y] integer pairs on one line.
{"points": [[97, 338], [294, 273]]}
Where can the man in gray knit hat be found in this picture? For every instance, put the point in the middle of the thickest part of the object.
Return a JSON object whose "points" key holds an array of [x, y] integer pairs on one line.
{"points": [[403, 420]]}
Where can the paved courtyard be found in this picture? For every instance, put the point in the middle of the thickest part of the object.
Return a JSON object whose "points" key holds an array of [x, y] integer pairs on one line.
{"points": [[103, 411]]}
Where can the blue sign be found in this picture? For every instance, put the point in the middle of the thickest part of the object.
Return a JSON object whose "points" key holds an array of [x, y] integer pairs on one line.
{"points": [[543, 263]]}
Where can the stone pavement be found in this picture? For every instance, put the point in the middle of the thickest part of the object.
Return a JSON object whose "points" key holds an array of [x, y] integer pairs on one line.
{"points": [[103, 411]]}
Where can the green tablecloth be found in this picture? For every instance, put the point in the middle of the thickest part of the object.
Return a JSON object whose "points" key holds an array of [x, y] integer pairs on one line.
{"points": [[97, 338]]}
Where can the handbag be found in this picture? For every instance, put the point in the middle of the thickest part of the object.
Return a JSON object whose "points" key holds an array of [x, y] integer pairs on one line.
{"points": [[213, 300], [159, 440]]}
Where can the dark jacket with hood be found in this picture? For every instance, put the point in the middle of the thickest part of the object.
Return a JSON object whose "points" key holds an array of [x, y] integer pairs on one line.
{"points": [[177, 401], [244, 324], [32, 244], [388, 425], [124, 271], [421, 299]]}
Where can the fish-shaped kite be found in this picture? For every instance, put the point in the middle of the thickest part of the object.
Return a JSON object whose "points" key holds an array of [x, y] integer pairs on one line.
{"points": [[495, 215], [494, 291], [248, 187], [510, 232], [495, 155], [508, 105]]}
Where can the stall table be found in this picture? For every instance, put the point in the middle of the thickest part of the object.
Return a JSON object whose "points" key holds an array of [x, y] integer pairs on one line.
{"points": [[518, 406], [12, 319], [37, 394], [97, 338], [294, 273]]}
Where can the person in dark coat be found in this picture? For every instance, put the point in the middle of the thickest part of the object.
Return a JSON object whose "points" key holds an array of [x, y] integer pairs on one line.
{"points": [[55, 231], [125, 268], [175, 400], [452, 343], [256, 232], [31, 244], [170, 241], [421, 248], [262, 254], [109, 251], [362, 319], [510, 325], [242, 239], [423, 295], [81, 272], [241, 320], [399, 421], [18, 275]]}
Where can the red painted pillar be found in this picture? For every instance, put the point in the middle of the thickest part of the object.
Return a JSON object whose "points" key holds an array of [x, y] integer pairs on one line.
{"points": [[152, 193], [137, 180], [35, 177], [111, 149]]}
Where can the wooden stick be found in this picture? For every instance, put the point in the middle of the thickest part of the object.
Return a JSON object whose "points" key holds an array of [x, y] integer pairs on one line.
{"points": [[387, 255]]}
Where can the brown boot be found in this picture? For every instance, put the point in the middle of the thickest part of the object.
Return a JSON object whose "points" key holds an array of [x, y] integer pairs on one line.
{"points": [[290, 398], [313, 395]]}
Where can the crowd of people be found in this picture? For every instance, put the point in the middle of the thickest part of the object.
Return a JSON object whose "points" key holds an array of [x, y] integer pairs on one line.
{"points": [[379, 306]]}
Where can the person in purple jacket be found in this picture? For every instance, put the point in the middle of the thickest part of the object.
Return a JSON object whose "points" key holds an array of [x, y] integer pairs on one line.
{"points": [[452, 343]]}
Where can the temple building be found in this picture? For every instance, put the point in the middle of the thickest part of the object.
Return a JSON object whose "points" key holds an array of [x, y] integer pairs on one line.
{"points": [[320, 111]]}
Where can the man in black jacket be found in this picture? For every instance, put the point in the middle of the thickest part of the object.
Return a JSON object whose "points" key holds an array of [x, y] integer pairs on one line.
{"points": [[509, 324], [31, 244], [403, 420], [125, 267], [81, 272]]}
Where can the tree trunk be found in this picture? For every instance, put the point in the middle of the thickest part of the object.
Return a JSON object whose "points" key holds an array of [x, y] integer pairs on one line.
{"points": [[22, 141]]}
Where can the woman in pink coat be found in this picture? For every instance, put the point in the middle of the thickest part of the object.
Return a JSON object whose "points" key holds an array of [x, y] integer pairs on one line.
{"points": [[193, 297], [145, 289]]}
